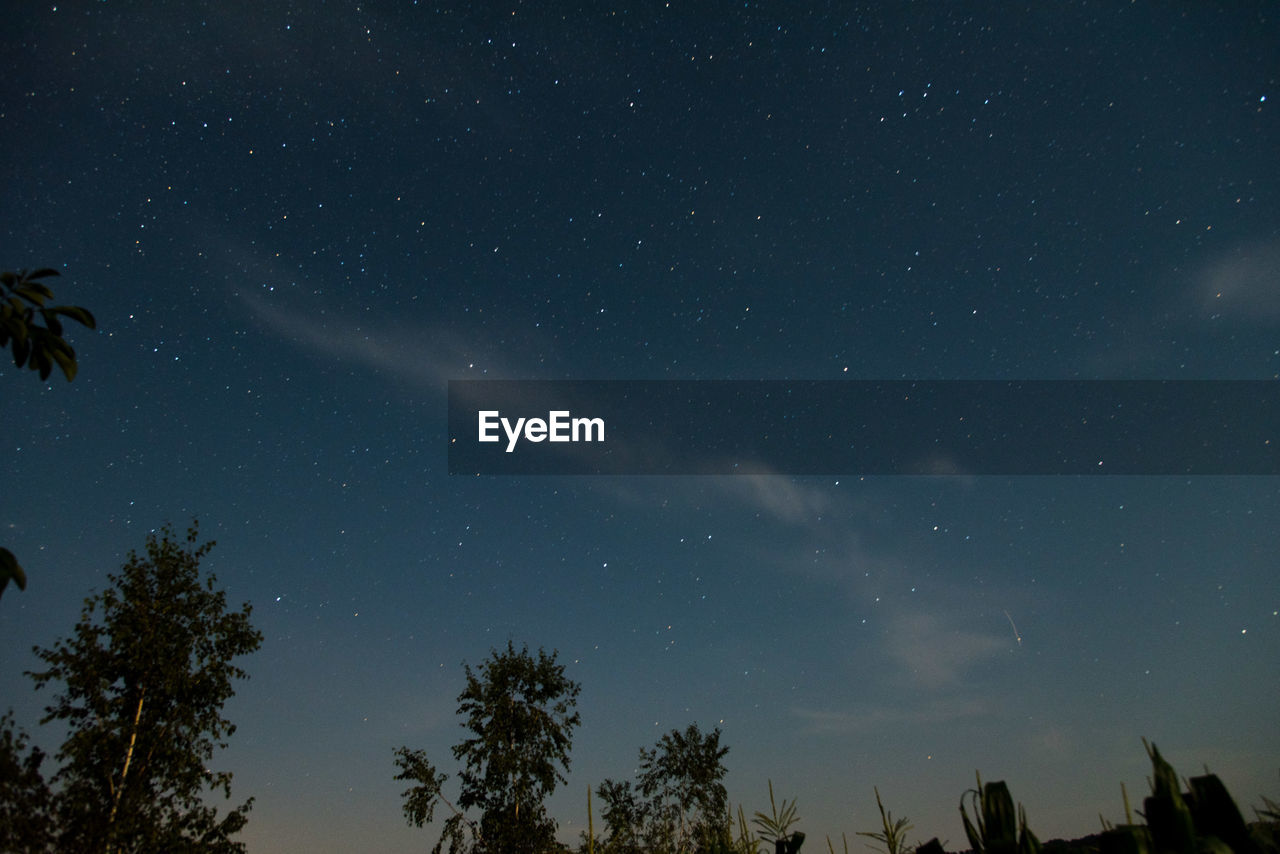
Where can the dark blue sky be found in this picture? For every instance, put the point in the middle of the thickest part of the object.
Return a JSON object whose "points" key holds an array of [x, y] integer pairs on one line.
{"points": [[294, 225]]}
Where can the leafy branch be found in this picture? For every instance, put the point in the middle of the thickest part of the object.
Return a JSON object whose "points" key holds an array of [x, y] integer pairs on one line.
{"points": [[22, 297]]}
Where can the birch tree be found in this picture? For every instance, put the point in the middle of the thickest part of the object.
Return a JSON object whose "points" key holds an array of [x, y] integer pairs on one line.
{"points": [[520, 712], [143, 681]]}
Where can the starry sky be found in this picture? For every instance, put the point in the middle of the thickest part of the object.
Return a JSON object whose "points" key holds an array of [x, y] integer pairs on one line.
{"points": [[296, 222]]}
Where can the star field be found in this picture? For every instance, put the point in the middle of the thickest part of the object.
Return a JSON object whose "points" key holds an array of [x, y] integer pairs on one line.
{"points": [[296, 223]]}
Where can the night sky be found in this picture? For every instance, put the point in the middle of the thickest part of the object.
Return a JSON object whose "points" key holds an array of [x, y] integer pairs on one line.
{"points": [[296, 222]]}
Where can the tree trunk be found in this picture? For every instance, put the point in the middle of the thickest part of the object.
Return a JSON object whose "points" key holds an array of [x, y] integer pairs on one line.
{"points": [[124, 772]]}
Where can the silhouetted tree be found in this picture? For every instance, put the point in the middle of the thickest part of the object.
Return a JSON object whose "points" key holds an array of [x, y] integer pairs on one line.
{"points": [[626, 818], [680, 804], [25, 822], [520, 711], [144, 679]]}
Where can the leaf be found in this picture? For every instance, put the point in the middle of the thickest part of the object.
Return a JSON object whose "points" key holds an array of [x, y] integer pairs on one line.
{"points": [[10, 569], [21, 350], [80, 315], [38, 347], [34, 294], [67, 362], [1027, 841], [41, 362], [998, 814]]}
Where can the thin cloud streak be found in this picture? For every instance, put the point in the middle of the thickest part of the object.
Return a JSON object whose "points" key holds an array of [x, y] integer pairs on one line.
{"points": [[1243, 283], [936, 654], [422, 357], [863, 718]]}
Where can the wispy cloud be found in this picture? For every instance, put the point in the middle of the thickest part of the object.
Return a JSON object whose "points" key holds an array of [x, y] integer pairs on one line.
{"points": [[1236, 289], [782, 499], [423, 354], [799, 504], [934, 652], [1242, 283], [863, 717]]}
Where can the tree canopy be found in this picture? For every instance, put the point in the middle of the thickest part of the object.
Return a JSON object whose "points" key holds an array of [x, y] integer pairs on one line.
{"points": [[143, 680], [679, 804], [520, 712]]}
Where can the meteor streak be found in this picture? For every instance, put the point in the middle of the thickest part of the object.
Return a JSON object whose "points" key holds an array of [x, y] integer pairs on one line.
{"points": [[1016, 636]]}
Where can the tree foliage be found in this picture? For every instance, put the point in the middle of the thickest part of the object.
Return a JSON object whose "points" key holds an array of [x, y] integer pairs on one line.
{"points": [[520, 712], [679, 803], [683, 775], [23, 299], [626, 818], [420, 799], [144, 678], [25, 821]]}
